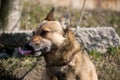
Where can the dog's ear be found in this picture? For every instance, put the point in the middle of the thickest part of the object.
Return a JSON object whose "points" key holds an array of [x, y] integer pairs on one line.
{"points": [[50, 16], [65, 20]]}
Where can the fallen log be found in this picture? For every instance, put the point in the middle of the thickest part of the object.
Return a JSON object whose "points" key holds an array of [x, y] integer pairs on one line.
{"points": [[100, 38], [14, 39]]}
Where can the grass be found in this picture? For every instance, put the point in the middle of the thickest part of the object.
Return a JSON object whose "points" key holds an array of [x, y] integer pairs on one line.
{"points": [[107, 64], [108, 68], [33, 14], [14, 69], [95, 55]]}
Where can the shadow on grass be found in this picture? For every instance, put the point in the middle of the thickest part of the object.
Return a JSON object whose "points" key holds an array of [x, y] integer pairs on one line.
{"points": [[6, 74]]}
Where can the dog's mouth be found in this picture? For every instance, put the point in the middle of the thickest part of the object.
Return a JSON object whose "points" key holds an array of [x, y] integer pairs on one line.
{"points": [[25, 51], [29, 49]]}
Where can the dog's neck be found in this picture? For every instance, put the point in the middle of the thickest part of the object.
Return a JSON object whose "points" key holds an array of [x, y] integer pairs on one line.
{"points": [[65, 53]]}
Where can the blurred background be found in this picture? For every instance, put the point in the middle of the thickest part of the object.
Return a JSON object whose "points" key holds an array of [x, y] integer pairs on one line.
{"points": [[90, 4], [27, 14]]}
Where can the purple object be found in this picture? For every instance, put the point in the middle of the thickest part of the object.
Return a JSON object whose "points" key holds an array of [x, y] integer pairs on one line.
{"points": [[22, 51]]}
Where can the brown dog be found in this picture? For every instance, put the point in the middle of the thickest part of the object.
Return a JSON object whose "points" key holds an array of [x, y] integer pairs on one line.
{"points": [[65, 58]]}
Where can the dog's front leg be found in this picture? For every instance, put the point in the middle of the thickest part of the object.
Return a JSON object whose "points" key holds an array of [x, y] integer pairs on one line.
{"points": [[70, 76], [47, 75]]}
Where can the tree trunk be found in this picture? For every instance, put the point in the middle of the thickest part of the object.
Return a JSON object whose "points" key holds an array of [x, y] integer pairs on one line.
{"points": [[10, 13]]}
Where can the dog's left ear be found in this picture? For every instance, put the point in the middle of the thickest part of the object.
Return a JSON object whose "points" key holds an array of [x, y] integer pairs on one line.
{"points": [[50, 16], [65, 20]]}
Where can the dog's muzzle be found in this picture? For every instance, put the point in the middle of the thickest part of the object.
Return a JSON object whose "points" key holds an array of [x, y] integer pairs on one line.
{"points": [[29, 49]]}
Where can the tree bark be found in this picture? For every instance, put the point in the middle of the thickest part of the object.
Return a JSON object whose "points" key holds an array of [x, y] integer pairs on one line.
{"points": [[10, 13], [14, 39]]}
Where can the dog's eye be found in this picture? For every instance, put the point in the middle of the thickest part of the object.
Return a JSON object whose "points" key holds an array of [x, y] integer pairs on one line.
{"points": [[33, 32], [43, 33]]}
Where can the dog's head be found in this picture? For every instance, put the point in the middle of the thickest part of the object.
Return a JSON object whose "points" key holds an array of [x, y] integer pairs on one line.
{"points": [[49, 35]]}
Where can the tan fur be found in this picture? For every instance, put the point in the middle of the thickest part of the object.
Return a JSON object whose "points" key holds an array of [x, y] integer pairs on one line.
{"points": [[67, 60]]}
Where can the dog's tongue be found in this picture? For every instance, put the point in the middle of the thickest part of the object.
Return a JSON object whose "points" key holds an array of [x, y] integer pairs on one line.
{"points": [[22, 51]]}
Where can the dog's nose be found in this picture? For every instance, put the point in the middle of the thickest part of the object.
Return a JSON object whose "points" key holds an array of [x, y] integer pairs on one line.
{"points": [[46, 48], [28, 46]]}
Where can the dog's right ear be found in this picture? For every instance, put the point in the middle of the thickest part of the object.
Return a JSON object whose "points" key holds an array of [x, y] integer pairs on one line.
{"points": [[65, 20], [50, 16]]}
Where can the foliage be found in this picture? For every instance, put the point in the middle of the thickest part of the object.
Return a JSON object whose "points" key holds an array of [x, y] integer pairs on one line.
{"points": [[95, 54], [33, 15]]}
